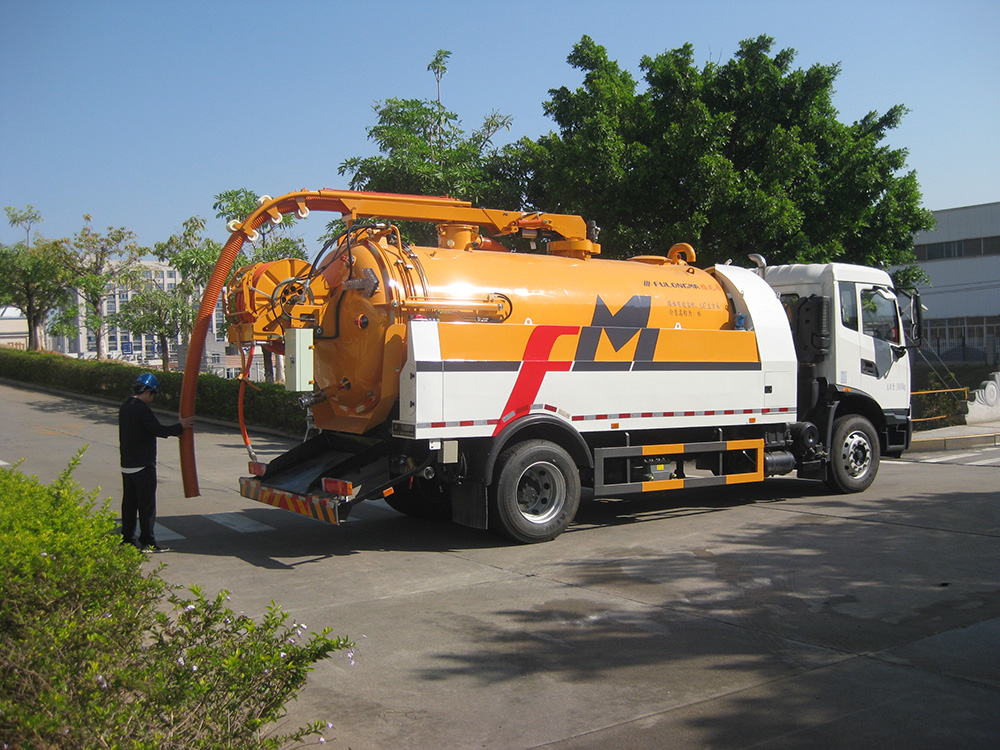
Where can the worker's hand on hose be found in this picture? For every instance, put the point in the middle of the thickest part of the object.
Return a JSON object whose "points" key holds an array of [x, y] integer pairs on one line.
{"points": [[187, 422]]}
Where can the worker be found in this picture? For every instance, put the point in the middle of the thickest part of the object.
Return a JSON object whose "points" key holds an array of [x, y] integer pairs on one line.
{"points": [[138, 429]]}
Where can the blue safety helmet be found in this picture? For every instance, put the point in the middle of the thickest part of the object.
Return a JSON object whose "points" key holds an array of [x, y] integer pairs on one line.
{"points": [[146, 382]]}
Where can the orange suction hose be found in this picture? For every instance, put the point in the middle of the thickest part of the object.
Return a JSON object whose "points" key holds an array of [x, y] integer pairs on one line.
{"points": [[244, 379], [192, 365]]}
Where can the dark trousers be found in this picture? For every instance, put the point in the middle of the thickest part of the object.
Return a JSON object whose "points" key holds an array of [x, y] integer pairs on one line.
{"points": [[139, 498]]}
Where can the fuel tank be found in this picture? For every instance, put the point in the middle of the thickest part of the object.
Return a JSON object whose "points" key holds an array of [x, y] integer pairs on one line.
{"points": [[377, 284]]}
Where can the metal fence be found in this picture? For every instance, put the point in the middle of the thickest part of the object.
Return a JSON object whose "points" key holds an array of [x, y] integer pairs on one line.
{"points": [[970, 349]]}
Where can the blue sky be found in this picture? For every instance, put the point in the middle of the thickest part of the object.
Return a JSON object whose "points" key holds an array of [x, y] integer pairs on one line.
{"points": [[139, 112]]}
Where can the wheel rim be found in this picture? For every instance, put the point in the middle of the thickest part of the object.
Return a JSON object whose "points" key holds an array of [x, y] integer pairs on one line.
{"points": [[541, 492], [857, 454]]}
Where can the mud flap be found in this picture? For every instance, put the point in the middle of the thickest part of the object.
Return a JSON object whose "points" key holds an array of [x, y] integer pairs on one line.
{"points": [[469, 506]]}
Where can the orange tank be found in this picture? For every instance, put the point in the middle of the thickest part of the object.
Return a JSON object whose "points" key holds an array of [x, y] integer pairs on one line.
{"points": [[378, 284]]}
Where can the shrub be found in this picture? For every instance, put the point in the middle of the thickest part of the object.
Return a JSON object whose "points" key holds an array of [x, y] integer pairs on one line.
{"points": [[96, 653], [265, 405]]}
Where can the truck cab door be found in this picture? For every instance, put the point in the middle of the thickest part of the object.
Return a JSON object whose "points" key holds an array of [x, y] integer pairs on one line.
{"points": [[883, 357]]}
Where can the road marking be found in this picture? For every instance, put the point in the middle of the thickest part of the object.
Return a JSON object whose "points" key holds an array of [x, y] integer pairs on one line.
{"points": [[163, 534], [238, 522], [4, 463], [985, 462], [939, 459]]}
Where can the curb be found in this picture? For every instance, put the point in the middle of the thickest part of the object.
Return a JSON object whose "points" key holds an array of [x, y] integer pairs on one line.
{"points": [[954, 442]]}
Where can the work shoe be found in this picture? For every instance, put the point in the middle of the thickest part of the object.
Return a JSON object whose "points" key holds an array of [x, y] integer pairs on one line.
{"points": [[154, 547]]}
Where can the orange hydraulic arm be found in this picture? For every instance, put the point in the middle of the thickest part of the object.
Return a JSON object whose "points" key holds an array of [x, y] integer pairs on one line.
{"points": [[570, 235]]}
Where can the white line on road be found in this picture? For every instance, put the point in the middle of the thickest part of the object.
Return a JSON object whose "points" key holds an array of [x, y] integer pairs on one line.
{"points": [[4, 463], [985, 462], [238, 522], [939, 459], [163, 534]]}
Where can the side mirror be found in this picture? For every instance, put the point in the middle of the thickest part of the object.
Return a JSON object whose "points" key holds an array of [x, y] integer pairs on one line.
{"points": [[915, 327]]}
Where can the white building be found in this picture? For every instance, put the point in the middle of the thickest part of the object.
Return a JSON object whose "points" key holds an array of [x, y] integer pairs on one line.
{"points": [[13, 328], [961, 255]]}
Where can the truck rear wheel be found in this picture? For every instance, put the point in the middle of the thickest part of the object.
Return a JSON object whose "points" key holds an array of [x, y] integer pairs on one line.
{"points": [[536, 493], [429, 499], [854, 455]]}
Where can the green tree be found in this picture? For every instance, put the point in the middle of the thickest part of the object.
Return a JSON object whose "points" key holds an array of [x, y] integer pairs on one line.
{"points": [[25, 218], [423, 150], [156, 312], [100, 263], [34, 279], [191, 253], [745, 156], [169, 313], [274, 241]]}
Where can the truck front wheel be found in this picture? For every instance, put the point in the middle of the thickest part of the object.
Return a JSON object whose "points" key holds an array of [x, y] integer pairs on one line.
{"points": [[536, 493], [854, 455]]}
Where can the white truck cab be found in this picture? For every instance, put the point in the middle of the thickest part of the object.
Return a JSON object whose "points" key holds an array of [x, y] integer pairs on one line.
{"points": [[850, 339]]}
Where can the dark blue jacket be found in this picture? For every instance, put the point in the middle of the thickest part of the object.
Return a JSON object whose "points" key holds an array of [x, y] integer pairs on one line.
{"points": [[138, 429]]}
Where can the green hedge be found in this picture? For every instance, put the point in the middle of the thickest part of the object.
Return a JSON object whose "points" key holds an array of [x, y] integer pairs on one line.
{"points": [[265, 405], [97, 651]]}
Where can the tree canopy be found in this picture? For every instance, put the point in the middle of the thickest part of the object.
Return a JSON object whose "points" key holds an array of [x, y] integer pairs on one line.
{"points": [[35, 280], [745, 156], [425, 151], [274, 240], [101, 262], [34, 277], [156, 312]]}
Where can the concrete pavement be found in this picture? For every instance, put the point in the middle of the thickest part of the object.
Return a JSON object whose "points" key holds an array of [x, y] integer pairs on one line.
{"points": [[768, 616]]}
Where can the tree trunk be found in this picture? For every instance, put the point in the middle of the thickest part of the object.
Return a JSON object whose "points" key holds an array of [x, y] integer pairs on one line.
{"points": [[34, 333], [268, 366], [165, 350], [31, 317]]}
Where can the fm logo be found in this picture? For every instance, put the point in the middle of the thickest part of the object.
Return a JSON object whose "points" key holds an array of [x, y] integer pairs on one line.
{"points": [[620, 328]]}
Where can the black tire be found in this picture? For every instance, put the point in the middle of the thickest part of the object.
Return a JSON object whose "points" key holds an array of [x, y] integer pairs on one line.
{"points": [[429, 499], [854, 455], [536, 492]]}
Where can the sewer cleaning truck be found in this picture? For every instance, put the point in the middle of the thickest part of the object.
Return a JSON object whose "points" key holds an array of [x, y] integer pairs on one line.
{"points": [[469, 382]]}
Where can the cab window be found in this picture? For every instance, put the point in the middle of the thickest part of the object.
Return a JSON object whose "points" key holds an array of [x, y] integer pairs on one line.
{"points": [[848, 305], [878, 314], [788, 302]]}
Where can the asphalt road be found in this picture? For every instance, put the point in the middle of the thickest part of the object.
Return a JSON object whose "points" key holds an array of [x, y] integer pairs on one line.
{"points": [[772, 616]]}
